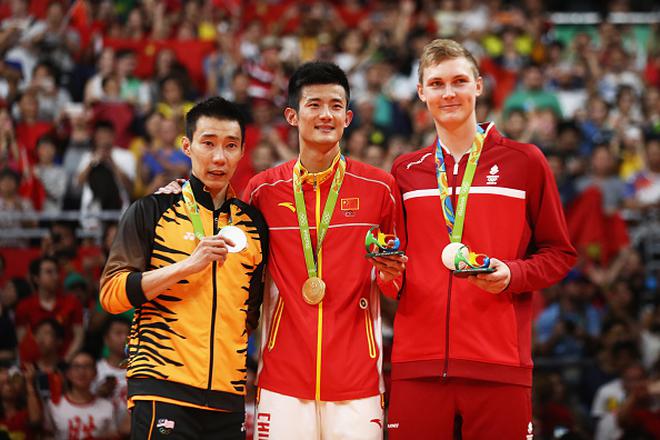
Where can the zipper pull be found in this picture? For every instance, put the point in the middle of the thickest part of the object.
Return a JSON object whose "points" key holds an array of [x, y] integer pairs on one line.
{"points": [[456, 168]]}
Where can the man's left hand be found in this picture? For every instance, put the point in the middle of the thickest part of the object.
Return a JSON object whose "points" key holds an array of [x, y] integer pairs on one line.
{"points": [[390, 267], [493, 282]]}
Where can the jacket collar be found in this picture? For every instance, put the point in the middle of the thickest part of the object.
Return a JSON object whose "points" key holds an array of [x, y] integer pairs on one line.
{"points": [[321, 176], [203, 197], [493, 137]]}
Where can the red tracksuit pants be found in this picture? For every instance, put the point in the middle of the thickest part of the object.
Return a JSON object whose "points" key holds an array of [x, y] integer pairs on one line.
{"points": [[427, 408]]}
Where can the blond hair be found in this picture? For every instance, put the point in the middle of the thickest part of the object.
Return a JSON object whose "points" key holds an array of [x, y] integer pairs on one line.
{"points": [[440, 50]]}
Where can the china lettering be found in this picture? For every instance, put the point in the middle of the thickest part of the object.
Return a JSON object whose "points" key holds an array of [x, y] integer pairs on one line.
{"points": [[381, 245], [463, 263]]}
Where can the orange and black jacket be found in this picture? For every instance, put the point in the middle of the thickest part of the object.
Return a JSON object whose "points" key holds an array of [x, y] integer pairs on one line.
{"points": [[188, 345]]}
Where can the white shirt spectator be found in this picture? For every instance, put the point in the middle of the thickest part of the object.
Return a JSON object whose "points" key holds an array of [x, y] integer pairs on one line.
{"points": [[120, 394], [608, 398], [125, 161], [72, 421]]}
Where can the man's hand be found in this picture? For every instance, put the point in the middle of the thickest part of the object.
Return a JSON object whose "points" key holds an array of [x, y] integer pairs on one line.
{"points": [[390, 267], [493, 282], [208, 250], [174, 187], [107, 387]]}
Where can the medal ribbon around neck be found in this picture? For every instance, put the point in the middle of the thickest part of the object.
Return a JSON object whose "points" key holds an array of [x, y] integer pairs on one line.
{"points": [[193, 210], [455, 221], [301, 213], [235, 234]]}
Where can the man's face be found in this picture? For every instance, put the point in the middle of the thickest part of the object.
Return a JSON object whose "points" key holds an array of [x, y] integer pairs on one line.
{"points": [[29, 106], [450, 91], [168, 132], [653, 155], [104, 138], [215, 149], [126, 65], [171, 92], [321, 117], [8, 186], [533, 79], [46, 339], [48, 278], [82, 371], [116, 337]]}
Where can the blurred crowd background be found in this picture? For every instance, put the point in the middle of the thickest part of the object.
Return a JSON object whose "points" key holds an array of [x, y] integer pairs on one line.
{"points": [[92, 102]]}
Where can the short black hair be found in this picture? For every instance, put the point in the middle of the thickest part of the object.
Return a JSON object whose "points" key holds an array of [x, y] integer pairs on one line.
{"points": [[35, 265], [218, 108], [115, 319], [8, 172], [47, 139], [58, 329], [104, 124], [122, 53], [313, 73], [52, 69]]}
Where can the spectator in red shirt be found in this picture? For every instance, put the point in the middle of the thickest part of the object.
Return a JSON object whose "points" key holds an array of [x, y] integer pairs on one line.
{"points": [[48, 302], [20, 410], [29, 127]]}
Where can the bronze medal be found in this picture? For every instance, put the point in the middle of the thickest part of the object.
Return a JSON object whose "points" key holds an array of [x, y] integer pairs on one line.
{"points": [[313, 290]]}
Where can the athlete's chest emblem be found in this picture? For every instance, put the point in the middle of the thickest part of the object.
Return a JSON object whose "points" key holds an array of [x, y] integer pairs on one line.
{"points": [[493, 175], [350, 206]]}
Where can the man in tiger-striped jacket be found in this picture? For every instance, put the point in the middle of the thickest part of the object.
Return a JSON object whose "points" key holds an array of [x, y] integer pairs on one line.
{"points": [[196, 291]]}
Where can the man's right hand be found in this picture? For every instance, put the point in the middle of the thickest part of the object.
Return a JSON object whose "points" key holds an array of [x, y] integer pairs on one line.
{"points": [[174, 187], [208, 250]]}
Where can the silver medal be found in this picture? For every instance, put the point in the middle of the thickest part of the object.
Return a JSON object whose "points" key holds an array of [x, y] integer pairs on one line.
{"points": [[236, 235]]}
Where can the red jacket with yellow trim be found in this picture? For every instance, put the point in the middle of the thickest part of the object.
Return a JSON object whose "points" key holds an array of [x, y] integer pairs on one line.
{"points": [[446, 326], [187, 345], [330, 351]]}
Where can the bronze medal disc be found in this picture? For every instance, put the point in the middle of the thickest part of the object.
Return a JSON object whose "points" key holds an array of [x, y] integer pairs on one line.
{"points": [[313, 290]]}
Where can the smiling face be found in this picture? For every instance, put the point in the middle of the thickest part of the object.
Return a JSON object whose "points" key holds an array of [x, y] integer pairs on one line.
{"points": [[449, 89], [321, 117], [215, 149], [82, 371]]}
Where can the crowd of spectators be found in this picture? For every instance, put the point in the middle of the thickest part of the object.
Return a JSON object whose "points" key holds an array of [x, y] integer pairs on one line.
{"points": [[92, 99]]}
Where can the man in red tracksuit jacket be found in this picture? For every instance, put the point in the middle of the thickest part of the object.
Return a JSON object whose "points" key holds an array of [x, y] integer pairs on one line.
{"points": [[462, 346], [319, 374]]}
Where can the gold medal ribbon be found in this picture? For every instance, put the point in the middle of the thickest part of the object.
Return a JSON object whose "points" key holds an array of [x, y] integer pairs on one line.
{"points": [[301, 213]]}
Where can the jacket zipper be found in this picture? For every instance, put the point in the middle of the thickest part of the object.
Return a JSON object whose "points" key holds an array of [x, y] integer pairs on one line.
{"points": [[319, 334], [451, 277], [213, 308]]}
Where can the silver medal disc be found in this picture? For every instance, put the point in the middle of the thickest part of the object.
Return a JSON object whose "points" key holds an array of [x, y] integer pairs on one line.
{"points": [[236, 235]]}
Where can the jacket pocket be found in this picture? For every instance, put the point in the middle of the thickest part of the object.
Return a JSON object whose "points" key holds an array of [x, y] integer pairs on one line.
{"points": [[275, 324]]}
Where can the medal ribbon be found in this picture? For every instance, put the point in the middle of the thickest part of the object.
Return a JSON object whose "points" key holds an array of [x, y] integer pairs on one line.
{"points": [[301, 213], [455, 221], [193, 210]]}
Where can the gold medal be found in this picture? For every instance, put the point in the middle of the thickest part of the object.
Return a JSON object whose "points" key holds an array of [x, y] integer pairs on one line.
{"points": [[313, 290]]}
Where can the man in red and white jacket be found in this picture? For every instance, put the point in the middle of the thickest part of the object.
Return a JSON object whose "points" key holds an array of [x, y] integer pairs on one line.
{"points": [[319, 374], [462, 346]]}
